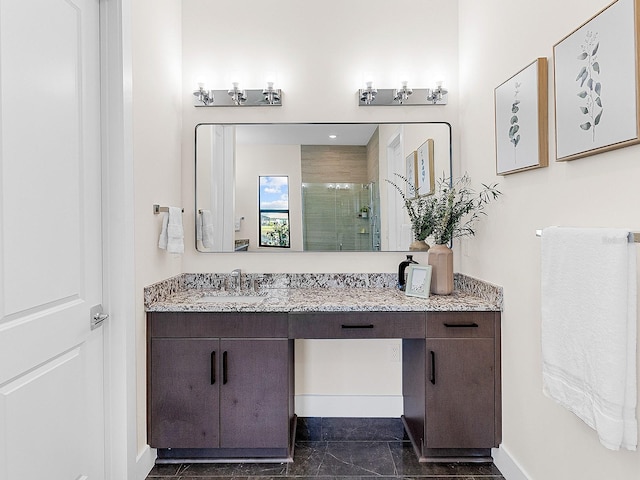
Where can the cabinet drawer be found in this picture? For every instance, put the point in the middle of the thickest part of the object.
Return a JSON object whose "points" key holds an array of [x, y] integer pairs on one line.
{"points": [[357, 325], [214, 324], [461, 324]]}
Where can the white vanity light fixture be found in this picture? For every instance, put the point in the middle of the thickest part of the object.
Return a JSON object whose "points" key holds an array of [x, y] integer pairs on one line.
{"points": [[238, 96], [202, 96], [271, 95], [437, 95], [368, 94], [401, 95]]}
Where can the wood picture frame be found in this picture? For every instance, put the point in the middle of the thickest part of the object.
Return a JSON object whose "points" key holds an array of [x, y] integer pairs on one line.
{"points": [[522, 120], [411, 164], [425, 182], [418, 281], [597, 96]]}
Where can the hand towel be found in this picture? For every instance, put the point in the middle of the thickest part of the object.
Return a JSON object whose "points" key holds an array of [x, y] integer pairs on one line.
{"points": [[589, 329], [172, 233], [206, 228]]}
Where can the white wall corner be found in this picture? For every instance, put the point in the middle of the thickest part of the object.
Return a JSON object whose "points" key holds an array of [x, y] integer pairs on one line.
{"points": [[509, 467], [145, 461]]}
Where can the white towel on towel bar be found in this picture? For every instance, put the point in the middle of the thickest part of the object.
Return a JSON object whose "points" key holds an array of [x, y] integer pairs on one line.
{"points": [[172, 233], [204, 228], [589, 329]]}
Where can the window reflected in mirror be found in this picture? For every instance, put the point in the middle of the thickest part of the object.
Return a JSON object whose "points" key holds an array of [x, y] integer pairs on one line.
{"points": [[274, 212]]}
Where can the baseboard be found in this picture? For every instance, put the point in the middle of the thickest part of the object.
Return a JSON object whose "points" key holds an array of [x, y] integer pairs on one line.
{"points": [[370, 406], [145, 462], [510, 469]]}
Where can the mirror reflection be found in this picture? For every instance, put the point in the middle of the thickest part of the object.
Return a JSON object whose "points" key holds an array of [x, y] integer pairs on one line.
{"points": [[337, 197]]}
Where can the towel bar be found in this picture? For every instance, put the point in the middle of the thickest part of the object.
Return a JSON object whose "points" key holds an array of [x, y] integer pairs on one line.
{"points": [[634, 237], [157, 209]]}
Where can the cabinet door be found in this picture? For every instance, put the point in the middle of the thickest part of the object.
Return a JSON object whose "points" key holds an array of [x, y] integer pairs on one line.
{"points": [[184, 396], [460, 393], [254, 393]]}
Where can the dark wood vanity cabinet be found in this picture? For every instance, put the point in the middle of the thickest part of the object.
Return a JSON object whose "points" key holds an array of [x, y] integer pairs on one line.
{"points": [[219, 385], [451, 386]]}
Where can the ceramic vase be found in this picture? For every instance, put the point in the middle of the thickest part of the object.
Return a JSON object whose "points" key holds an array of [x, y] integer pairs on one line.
{"points": [[441, 260], [418, 246]]}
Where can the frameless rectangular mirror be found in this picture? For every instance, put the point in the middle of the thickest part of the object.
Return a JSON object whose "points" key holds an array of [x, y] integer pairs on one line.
{"points": [[337, 196]]}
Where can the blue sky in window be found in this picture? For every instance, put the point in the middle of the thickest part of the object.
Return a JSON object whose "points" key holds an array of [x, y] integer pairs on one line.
{"points": [[274, 193]]}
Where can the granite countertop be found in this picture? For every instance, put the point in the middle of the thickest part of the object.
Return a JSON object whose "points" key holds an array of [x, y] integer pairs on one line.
{"points": [[305, 294]]}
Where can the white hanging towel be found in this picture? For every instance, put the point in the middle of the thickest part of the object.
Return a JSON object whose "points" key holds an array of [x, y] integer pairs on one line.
{"points": [[205, 228], [172, 233], [589, 329]]}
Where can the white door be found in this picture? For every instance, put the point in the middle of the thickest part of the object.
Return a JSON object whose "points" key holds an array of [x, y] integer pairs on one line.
{"points": [[51, 362], [399, 232]]}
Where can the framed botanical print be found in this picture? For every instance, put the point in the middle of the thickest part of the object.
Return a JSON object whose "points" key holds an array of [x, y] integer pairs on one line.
{"points": [[412, 175], [521, 120], [425, 174], [596, 83]]}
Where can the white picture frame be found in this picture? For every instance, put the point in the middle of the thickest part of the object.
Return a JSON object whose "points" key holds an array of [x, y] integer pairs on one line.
{"points": [[418, 281]]}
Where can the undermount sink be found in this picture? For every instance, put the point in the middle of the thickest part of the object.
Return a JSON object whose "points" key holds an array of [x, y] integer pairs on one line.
{"points": [[230, 299]]}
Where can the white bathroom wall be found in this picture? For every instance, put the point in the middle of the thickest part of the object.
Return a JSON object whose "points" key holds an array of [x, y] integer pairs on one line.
{"points": [[319, 52], [497, 39], [156, 52]]}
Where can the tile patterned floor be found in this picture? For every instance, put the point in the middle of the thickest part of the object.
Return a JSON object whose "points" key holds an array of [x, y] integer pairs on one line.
{"points": [[338, 449]]}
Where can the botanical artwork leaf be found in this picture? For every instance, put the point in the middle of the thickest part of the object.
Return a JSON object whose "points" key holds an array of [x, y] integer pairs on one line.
{"points": [[597, 120], [514, 126], [589, 73]]}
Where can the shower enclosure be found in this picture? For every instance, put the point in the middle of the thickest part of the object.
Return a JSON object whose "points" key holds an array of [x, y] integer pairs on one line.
{"points": [[341, 217]]}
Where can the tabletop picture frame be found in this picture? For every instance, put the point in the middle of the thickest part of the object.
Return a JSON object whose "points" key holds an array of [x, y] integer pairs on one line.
{"points": [[521, 120], [596, 83], [418, 281]]}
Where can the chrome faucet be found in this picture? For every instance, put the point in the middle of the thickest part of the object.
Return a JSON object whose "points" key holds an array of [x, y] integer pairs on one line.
{"points": [[236, 277]]}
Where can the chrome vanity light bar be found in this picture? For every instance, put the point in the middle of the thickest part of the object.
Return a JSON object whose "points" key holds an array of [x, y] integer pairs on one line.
{"points": [[238, 97]]}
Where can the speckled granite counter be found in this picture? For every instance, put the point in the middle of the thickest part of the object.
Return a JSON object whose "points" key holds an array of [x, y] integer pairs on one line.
{"points": [[312, 293]]}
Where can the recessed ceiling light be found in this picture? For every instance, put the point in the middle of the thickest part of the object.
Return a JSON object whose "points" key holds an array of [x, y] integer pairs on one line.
{"points": [[332, 136]]}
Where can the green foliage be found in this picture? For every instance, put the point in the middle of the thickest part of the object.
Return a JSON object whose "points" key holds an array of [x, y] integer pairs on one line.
{"points": [[451, 212], [419, 208]]}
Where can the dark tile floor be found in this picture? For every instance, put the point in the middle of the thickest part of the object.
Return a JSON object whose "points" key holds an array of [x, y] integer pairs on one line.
{"points": [[338, 449]]}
